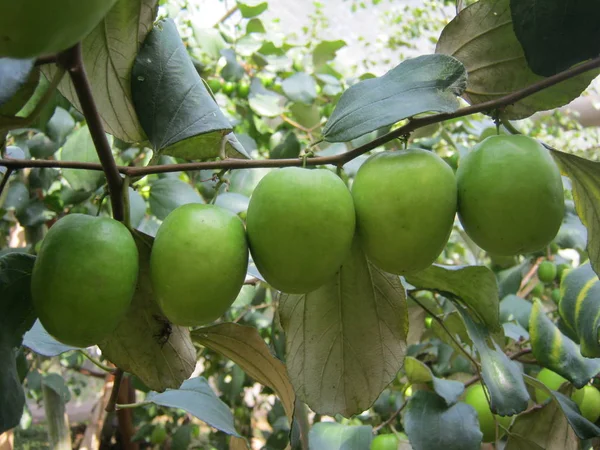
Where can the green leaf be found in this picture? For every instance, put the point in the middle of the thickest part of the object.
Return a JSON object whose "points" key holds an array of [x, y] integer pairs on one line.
{"points": [[346, 341], [16, 305], [209, 41], [197, 398], [255, 26], [557, 352], [80, 147], [233, 70], [48, 109], [584, 429], [265, 102], [300, 87], [585, 182], [144, 343], [481, 36], [108, 55], [40, 341], [244, 181], [60, 125], [556, 35], [17, 196], [13, 397], [429, 83], [19, 80], [244, 346], [236, 203], [175, 109], [252, 8], [451, 428], [34, 213], [572, 232], [57, 383], [167, 194], [288, 147], [475, 286], [417, 372], [502, 377], [336, 436], [325, 51], [137, 208], [579, 307], [514, 308], [542, 429]]}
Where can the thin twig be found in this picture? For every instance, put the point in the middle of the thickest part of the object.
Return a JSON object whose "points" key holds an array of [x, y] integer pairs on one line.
{"points": [[72, 60], [391, 418], [96, 362], [110, 407], [5, 178], [48, 59], [226, 16], [522, 292]]}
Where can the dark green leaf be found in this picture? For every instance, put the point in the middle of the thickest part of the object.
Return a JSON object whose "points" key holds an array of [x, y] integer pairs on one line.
{"points": [[585, 180], [556, 35], [557, 352], [429, 83], [233, 70], [14, 74], [451, 428], [13, 397], [38, 340], [48, 109], [361, 312], [572, 232], [475, 286], [197, 398], [325, 51], [502, 377], [300, 87], [513, 308], [17, 196], [34, 213], [289, 147], [482, 38], [80, 147], [137, 208], [167, 194], [417, 372], [108, 53], [57, 383], [60, 125], [336, 436], [175, 109]]}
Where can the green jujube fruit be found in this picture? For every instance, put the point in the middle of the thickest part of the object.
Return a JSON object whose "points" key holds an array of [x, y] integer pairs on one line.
{"points": [[475, 396], [30, 28], [552, 380], [588, 401], [405, 205], [84, 278], [300, 225], [385, 442], [510, 195], [198, 263]]}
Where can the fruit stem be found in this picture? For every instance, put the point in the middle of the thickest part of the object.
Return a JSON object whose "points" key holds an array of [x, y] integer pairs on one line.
{"points": [[72, 61]]}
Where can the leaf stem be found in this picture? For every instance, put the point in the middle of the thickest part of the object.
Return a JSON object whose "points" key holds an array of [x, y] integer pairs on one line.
{"points": [[96, 362]]}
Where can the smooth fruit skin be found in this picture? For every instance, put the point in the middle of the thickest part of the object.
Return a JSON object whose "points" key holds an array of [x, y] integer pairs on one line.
{"points": [[29, 28], [385, 442], [547, 271], [405, 207], [300, 226], [588, 400], [198, 263], [475, 396], [84, 278], [510, 195], [552, 380]]}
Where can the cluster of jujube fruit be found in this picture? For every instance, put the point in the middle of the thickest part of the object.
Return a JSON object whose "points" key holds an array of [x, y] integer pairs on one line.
{"points": [[300, 226]]}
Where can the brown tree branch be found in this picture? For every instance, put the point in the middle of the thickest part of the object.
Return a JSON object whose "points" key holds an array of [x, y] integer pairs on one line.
{"points": [[72, 61], [114, 395]]}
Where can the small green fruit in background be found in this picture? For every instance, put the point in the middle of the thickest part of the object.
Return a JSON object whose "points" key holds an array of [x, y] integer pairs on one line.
{"points": [[538, 290], [510, 195], [475, 396], [405, 207], [588, 400], [555, 295], [198, 263], [547, 271], [552, 381], [243, 89], [300, 225], [159, 435], [215, 84], [84, 278], [228, 87], [562, 270], [385, 442]]}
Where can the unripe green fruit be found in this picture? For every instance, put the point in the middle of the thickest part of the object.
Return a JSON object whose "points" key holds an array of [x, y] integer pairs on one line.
{"points": [[243, 89], [552, 381], [84, 278], [475, 396], [300, 225], [547, 271], [562, 270], [214, 84], [198, 263], [555, 295], [159, 435], [510, 195], [538, 290], [588, 400], [385, 442], [405, 206], [228, 87], [30, 28]]}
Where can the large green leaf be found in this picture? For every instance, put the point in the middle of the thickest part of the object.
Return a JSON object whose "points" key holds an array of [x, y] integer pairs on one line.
{"points": [[244, 346], [429, 83], [108, 54], [19, 81], [197, 398], [585, 182], [417, 372], [177, 112], [145, 343], [557, 352], [555, 34], [346, 341], [336, 436], [514, 308], [474, 286], [300, 87], [481, 36], [40, 341], [430, 423], [502, 376], [167, 194], [579, 307], [13, 397], [80, 147]]}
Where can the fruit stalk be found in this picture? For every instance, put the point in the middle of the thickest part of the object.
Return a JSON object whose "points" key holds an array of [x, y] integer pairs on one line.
{"points": [[72, 61]]}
